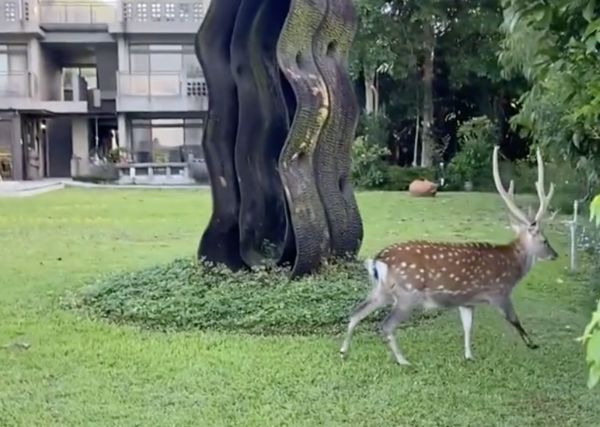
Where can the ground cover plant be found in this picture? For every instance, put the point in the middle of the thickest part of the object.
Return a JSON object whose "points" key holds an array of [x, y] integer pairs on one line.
{"points": [[64, 367]]}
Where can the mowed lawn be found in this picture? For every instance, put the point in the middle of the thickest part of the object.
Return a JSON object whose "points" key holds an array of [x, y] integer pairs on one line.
{"points": [[58, 369]]}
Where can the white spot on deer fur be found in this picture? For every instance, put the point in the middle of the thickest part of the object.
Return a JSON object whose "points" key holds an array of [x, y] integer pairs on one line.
{"points": [[421, 270], [434, 256], [413, 266], [403, 264], [426, 256], [441, 256], [418, 251], [444, 269], [418, 277]]}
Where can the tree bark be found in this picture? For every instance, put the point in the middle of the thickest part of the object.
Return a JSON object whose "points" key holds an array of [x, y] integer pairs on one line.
{"points": [[427, 139], [370, 95], [417, 130]]}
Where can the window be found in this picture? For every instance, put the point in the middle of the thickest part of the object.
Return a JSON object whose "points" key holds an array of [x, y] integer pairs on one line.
{"points": [[88, 74], [163, 58], [166, 140], [13, 59]]}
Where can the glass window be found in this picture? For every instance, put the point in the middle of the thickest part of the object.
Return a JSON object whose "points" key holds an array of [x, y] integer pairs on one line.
{"points": [[191, 65], [17, 62], [139, 62], [166, 140], [3, 63], [165, 47], [90, 77], [164, 62]]}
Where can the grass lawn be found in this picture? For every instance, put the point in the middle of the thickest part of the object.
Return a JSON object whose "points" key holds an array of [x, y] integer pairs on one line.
{"points": [[77, 372]]}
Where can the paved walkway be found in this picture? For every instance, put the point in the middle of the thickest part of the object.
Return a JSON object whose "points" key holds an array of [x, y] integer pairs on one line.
{"points": [[33, 188]]}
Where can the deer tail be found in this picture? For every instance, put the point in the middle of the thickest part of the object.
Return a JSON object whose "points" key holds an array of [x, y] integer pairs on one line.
{"points": [[377, 271]]}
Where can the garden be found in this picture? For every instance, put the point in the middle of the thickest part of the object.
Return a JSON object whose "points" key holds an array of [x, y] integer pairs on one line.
{"points": [[99, 327], [112, 314]]}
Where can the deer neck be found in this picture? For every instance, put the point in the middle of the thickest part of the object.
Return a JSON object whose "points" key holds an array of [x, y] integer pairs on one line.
{"points": [[521, 256]]}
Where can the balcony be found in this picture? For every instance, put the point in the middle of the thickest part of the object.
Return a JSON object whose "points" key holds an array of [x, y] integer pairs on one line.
{"points": [[114, 16], [17, 85], [164, 92], [82, 13], [19, 16], [20, 91]]}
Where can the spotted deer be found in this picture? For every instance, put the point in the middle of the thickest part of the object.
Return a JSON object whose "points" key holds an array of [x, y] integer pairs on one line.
{"points": [[428, 275]]}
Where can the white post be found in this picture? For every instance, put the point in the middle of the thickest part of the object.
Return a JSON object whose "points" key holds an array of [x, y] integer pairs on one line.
{"points": [[574, 234]]}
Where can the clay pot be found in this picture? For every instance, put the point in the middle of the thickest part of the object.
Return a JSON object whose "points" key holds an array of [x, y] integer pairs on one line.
{"points": [[422, 188]]}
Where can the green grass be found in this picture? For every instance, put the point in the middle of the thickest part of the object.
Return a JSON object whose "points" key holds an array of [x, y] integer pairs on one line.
{"points": [[79, 372]]}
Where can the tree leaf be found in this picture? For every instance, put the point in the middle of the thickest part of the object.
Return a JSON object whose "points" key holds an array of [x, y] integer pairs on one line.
{"points": [[594, 376], [593, 348], [588, 12]]}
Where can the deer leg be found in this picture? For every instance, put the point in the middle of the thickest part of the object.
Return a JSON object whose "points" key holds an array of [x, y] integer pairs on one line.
{"points": [[506, 307], [466, 317], [389, 325], [363, 309]]}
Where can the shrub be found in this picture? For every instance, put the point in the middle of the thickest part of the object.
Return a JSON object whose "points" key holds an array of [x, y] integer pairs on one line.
{"points": [[399, 178], [375, 128], [473, 161], [184, 295], [591, 334], [368, 165]]}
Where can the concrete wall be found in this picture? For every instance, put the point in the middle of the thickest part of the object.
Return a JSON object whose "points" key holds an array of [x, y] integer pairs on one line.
{"points": [[107, 64], [80, 163], [60, 148], [43, 65]]}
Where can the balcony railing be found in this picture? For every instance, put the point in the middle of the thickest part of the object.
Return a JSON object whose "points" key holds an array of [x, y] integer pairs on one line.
{"points": [[160, 85], [110, 12], [17, 11], [164, 11], [93, 12], [18, 85]]}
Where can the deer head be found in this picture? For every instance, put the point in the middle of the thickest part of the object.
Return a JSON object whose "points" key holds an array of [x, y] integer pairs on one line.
{"points": [[425, 275], [528, 230]]}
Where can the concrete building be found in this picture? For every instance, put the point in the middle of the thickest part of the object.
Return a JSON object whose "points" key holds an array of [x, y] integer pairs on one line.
{"points": [[79, 79]]}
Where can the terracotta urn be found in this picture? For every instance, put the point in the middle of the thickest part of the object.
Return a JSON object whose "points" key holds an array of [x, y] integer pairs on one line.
{"points": [[422, 188]]}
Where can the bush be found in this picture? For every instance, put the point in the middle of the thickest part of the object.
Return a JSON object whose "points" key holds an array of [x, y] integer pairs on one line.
{"points": [[375, 128], [473, 162], [184, 295], [399, 178], [368, 165]]}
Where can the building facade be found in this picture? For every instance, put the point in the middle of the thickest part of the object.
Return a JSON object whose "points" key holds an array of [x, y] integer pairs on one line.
{"points": [[81, 82]]}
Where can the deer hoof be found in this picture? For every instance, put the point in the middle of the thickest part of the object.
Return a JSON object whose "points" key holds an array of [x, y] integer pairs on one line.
{"points": [[403, 362], [533, 346]]}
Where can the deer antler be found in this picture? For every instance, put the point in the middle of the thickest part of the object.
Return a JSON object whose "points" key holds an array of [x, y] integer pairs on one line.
{"points": [[539, 185], [507, 197]]}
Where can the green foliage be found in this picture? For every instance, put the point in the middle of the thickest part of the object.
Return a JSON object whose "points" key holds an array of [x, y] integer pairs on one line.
{"points": [[399, 178], [368, 164], [477, 137], [591, 335], [375, 128], [555, 46], [183, 295]]}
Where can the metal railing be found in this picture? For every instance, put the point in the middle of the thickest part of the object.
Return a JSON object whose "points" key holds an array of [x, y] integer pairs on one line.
{"points": [[93, 12], [18, 85]]}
